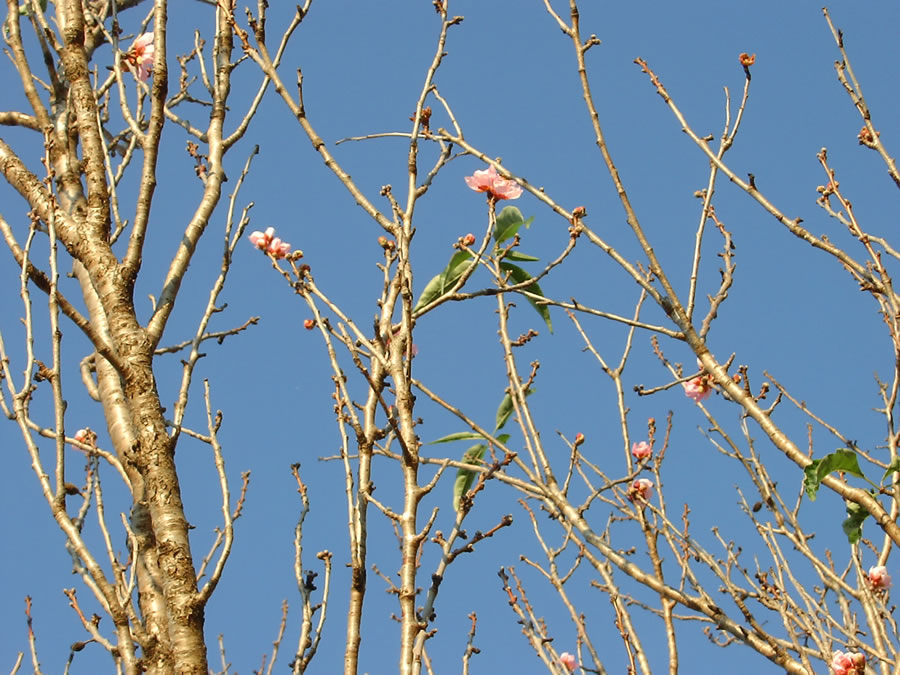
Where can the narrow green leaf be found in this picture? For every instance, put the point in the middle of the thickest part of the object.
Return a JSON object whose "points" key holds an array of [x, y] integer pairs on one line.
{"points": [[509, 220], [459, 436], [518, 275], [505, 410], [839, 460], [520, 257], [444, 281], [465, 477]]}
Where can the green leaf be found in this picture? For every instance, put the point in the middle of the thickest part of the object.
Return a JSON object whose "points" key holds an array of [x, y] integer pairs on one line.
{"points": [[509, 220], [852, 526], [518, 275], [894, 467], [839, 460], [459, 263], [465, 477], [505, 410], [520, 257], [459, 436]]}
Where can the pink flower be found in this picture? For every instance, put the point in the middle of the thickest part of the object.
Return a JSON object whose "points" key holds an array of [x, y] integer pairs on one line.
{"points": [[642, 487], [85, 436], [268, 242], [698, 388], [568, 660], [141, 56], [879, 577], [469, 239], [849, 663], [579, 439], [488, 180], [641, 450]]}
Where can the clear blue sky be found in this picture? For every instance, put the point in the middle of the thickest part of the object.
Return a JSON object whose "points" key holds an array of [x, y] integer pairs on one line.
{"points": [[510, 77]]}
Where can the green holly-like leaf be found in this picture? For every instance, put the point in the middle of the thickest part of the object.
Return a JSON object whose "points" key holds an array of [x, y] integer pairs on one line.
{"points": [[852, 526], [518, 275], [509, 220], [839, 460], [459, 263]]}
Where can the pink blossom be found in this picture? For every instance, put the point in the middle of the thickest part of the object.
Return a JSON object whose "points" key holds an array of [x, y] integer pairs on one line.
{"points": [[488, 180], [641, 450], [698, 388], [279, 249], [879, 577], [85, 436], [141, 56], [579, 439], [642, 487], [469, 239], [848, 663], [268, 242], [568, 660]]}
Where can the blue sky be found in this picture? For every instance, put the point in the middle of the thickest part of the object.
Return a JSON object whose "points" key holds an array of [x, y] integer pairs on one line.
{"points": [[510, 77]]}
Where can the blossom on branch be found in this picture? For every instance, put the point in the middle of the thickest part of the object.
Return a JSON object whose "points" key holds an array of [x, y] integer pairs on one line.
{"points": [[141, 56], [698, 388], [879, 577], [642, 487], [268, 242], [848, 663], [85, 436], [568, 660], [488, 180], [641, 450]]}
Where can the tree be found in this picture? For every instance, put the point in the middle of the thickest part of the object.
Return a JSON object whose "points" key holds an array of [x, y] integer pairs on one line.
{"points": [[451, 461]]}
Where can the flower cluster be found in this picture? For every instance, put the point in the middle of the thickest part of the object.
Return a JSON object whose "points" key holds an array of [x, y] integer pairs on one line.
{"points": [[141, 56], [848, 663], [641, 450], [268, 242], [642, 487], [568, 660], [879, 577], [488, 180]]}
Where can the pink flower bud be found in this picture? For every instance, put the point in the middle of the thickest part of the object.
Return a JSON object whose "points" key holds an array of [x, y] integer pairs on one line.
{"points": [[579, 439], [641, 450], [642, 487], [309, 324], [85, 436], [469, 239], [879, 577], [568, 660], [848, 663], [278, 249]]}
